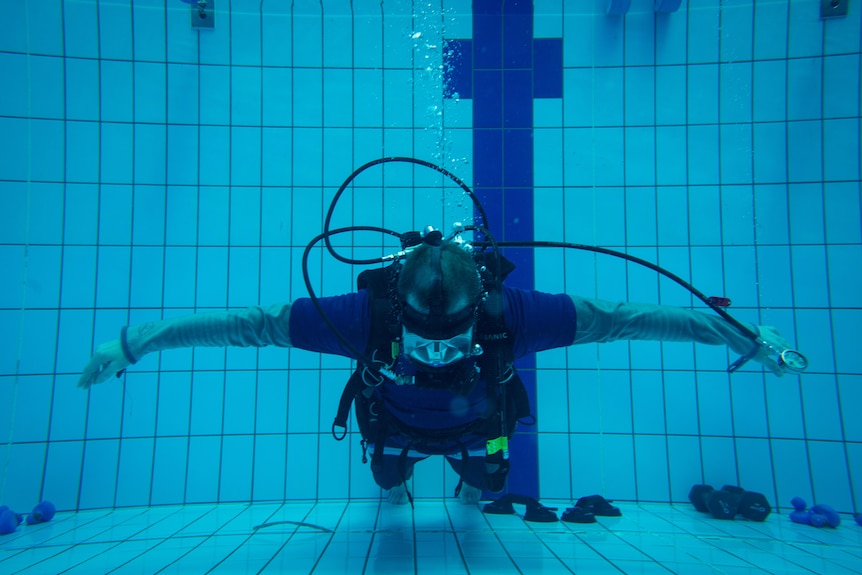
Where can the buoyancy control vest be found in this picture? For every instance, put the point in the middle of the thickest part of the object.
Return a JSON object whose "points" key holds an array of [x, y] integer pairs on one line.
{"points": [[507, 401]]}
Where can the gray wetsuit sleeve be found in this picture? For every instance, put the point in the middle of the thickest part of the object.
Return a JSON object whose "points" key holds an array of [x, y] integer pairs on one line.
{"points": [[256, 326], [602, 321]]}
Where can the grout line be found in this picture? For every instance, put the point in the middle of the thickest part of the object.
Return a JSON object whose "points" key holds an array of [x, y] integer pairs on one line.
{"points": [[787, 190], [197, 264], [161, 315], [626, 275], [260, 270], [61, 271], [757, 270], [220, 484], [669, 527], [831, 322], [724, 263], [697, 400], [98, 250], [131, 283]]}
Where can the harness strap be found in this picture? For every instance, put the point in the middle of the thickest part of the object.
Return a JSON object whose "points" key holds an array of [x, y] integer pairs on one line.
{"points": [[351, 389], [356, 384]]}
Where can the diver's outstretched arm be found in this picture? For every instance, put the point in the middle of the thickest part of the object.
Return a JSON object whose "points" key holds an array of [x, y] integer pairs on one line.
{"points": [[256, 326], [603, 321]]}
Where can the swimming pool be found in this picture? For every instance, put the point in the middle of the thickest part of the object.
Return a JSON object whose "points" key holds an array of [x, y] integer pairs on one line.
{"points": [[150, 168]]}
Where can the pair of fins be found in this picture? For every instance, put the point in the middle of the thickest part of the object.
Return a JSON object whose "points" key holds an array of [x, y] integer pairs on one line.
{"points": [[584, 511]]}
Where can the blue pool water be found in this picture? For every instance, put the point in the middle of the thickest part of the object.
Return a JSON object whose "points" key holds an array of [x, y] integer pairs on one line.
{"points": [[150, 169]]}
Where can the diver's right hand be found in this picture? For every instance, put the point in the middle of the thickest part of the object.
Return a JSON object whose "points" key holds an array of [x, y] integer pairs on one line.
{"points": [[107, 361]]}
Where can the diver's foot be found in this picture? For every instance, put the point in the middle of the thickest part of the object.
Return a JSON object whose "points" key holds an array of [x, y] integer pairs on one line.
{"points": [[470, 495], [398, 495]]}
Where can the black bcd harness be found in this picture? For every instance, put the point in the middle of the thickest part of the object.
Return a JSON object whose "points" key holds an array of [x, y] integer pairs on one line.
{"points": [[507, 401]]}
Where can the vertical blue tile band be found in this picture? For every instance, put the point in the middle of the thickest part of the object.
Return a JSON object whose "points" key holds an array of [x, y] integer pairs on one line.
{"points": [[502, 69]]}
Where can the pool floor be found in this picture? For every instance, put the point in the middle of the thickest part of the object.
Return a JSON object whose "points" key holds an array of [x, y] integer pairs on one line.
{"points": [[436, 537]]}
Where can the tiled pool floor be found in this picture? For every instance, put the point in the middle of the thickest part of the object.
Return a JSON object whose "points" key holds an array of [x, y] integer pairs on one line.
{"points": [[434, 538]]}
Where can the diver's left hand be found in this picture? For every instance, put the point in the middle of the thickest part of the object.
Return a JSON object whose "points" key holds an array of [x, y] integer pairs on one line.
{"points": [[767, 356]]}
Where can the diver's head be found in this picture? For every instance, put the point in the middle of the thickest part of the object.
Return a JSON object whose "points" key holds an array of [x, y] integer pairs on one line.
{"points": [[440, 290]]}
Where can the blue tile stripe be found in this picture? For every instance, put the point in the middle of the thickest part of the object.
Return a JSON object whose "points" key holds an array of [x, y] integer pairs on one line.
{"points": [[502, 69]]}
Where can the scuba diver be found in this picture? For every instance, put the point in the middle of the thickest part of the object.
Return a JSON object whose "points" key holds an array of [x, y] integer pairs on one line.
{"points": [[435, 335]]}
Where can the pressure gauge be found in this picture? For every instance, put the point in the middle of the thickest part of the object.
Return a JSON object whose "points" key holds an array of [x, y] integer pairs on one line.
{"points": [[792, 360]]}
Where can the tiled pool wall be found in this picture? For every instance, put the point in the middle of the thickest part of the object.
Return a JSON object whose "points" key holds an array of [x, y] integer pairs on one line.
{"points": [[149, 170]]}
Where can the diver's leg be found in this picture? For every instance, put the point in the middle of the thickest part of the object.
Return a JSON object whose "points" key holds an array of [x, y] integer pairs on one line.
{"points": [[392, 477], [471, 474]]}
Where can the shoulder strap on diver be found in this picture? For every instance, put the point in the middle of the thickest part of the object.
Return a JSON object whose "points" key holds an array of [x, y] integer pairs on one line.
{"points": [[491, 329], [379, 282], [498, 360]]}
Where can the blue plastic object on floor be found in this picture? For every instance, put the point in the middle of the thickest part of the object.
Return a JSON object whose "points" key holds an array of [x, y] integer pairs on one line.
{"points": [[42, 512], [9, 520], [817, 516], [829, 514]]}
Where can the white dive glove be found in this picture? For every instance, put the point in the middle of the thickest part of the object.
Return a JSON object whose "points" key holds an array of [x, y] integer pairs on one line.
{"points": [[108, 360]]}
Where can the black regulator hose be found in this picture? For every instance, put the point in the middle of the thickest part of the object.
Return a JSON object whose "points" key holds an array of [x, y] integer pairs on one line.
{"points": [[670, 275], [328, 233], [488, 241], [360, 356], [371, 164]]}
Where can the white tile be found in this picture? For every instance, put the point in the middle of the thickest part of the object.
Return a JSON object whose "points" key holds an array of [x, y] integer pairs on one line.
{"points": [[113, 558], [183, 517], [70, 557], [161, 554], [435, 537], [207, 555], [15, 559]]}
